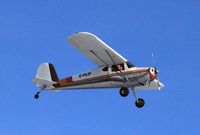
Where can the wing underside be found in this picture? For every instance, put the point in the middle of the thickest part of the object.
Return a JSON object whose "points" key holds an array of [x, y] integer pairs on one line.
{"points": [[95, 49]]}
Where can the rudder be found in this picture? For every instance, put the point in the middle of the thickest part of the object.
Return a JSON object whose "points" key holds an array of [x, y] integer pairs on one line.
{"points": [[54, 76]]}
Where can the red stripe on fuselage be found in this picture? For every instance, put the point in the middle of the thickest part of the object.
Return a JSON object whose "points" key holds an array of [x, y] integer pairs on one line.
{"points": [[69, 80]]}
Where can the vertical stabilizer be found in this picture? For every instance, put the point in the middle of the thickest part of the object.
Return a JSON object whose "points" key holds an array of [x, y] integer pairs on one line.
{"points": [[46, 75]]}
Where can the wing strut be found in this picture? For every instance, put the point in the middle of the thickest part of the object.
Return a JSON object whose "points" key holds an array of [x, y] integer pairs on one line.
{"points": [[122, 76], [99, 58]]}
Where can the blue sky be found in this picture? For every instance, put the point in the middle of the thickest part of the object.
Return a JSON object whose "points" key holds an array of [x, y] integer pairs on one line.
{"points": [[35, 31]]}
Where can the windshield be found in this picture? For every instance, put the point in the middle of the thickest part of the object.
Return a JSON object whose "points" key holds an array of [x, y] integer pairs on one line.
{"points": [[130, 65]]}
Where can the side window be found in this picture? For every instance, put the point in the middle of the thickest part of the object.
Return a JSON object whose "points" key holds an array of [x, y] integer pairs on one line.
{"points": [[114, 68], [118, 67], [105, 69]]}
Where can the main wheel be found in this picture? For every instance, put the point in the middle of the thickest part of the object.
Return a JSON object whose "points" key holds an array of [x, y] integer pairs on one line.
{"points": [[139, 102], [36, 96], [124, 91]]}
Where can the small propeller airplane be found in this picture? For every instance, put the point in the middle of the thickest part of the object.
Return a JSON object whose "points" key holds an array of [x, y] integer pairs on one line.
{"points": [[113, 71]]}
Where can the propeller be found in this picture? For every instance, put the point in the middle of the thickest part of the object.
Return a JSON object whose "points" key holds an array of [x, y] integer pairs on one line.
{"points": [[156, 71]]}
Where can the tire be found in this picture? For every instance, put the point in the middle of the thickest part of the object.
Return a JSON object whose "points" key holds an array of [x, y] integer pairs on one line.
{"points": [[140, 103], [124, 91], [36, 96]]}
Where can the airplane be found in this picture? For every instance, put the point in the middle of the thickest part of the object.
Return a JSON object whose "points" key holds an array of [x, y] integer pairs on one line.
{"points": [[113, 71]]}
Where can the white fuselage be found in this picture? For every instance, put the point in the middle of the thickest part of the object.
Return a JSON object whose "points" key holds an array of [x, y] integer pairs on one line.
{"points": [[138, 78]]}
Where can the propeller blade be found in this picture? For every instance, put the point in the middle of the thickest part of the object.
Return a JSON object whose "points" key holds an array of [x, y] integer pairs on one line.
{"points": [[156, 71], [153, 60], [159, 87]]}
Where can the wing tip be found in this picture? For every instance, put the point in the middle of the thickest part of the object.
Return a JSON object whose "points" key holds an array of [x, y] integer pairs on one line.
{"points": [[77, 34], [81, 33]]}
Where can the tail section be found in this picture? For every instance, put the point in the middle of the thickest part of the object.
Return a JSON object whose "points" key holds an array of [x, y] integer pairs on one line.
{"points": [[46, 76]]}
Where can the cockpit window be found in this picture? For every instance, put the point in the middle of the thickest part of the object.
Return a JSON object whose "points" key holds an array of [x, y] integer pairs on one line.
{"points": [[105, 69], [117, 67], [130, 65]]}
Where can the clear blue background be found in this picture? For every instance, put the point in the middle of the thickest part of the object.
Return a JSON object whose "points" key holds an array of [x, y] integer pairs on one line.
{"points": [[35, 31]]}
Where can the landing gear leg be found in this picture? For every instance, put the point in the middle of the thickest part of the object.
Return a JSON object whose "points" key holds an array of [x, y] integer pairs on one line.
{"points": [[139, 102]]}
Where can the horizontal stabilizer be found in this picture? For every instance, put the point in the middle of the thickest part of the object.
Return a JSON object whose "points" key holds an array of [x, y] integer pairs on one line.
{"points": [[42, 82]]}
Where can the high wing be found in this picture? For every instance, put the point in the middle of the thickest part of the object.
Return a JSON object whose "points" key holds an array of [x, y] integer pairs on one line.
{"points": [[95, 49]]}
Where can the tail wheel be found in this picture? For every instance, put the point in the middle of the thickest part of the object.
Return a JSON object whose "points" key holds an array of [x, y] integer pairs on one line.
{"points": [[139, 102], [124, 91], [36, 96]]}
